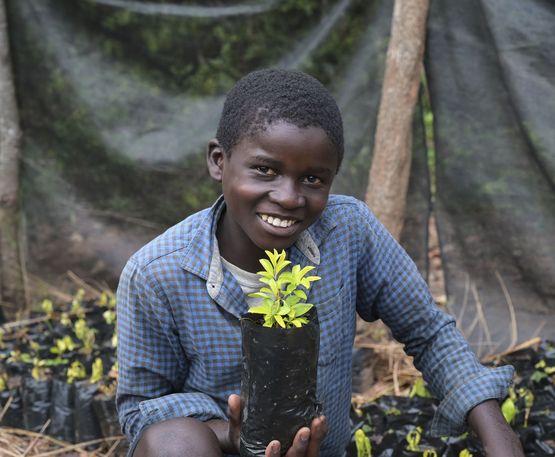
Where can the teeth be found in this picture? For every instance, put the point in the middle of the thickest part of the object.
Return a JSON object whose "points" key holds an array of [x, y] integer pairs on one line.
{"points": [[276, 221]]}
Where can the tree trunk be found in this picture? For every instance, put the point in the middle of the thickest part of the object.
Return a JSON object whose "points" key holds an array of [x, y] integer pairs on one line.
{"points": [[390, 170], [12, 284]]}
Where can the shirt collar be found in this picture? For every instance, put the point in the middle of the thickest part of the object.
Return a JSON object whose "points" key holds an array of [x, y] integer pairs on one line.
{"points": [[203, 257]]}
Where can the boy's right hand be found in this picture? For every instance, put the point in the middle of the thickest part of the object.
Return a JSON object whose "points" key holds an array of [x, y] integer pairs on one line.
{"points": [[306, 443]]}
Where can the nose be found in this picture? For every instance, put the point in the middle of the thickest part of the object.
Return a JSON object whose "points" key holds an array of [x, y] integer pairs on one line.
{"points": [[287, 195]]}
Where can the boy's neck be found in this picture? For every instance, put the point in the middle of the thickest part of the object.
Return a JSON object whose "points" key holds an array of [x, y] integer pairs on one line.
{"points": [[243, 257]]}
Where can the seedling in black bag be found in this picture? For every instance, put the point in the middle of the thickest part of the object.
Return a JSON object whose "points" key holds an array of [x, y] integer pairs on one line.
{"points": [[280, 340], [282, 298]]}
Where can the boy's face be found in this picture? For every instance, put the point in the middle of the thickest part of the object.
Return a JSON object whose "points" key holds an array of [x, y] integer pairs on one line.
{"points": [[275, 185]]}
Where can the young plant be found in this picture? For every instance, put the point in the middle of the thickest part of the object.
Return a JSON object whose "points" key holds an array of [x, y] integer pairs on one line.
{"points": [[86, 335], [364, 447], [48, 308], [282, 297], [76, 371], [97, 371]]}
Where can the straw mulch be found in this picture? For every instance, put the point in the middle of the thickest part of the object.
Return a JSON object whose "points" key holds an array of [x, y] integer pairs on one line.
{"points": [[22, 443]]}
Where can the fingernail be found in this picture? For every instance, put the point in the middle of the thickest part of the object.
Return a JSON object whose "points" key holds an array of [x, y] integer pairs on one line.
{"points": [[275, 449], [304, 437]]}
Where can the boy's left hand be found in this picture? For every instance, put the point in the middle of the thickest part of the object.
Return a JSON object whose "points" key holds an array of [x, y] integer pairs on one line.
{"points": [[495, 434]]}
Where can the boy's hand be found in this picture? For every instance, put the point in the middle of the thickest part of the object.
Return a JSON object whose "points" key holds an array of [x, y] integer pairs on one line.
{"points": [[234, 430], [306, 443], [497, 437]]}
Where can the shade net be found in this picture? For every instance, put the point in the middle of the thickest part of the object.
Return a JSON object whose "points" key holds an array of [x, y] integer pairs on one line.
{"points": [[491, 67], [118, 100]]}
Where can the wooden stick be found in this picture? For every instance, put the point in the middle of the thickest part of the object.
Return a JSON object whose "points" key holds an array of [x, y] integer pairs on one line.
{"points": [[35, 440], [389, 174], [5, 408]]}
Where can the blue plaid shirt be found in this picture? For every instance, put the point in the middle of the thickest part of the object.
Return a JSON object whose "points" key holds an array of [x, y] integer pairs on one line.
{"points": [[179, 345]]}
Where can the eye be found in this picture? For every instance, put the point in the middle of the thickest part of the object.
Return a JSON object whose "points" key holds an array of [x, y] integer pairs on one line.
{"points": [[266, 170], [311, 179]]}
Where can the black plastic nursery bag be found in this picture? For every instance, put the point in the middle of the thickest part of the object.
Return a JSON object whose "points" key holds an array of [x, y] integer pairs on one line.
{"points": [[62, 425], [104, 407], [36, 403], [13, 417], [278, 384], [87, 426]]}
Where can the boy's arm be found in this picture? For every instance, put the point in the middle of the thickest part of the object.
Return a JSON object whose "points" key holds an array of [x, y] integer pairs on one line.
{"points": [[390, 287], [495, 434], [152, 364]]}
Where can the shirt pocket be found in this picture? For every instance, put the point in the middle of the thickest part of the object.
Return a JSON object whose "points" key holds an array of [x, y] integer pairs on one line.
{"points": [[332, 327]]}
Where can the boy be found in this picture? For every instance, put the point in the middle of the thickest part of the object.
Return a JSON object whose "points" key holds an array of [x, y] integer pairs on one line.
{"points": [[278, 147]]}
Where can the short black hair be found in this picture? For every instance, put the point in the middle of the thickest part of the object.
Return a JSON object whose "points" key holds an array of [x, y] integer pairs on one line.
{"points": [[267, 96]]}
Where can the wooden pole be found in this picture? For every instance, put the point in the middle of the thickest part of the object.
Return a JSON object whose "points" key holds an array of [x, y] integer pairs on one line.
{"points": [[390, 170], [12, 285]]}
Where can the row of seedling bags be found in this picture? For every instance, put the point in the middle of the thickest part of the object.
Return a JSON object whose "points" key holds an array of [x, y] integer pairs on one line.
{"points": [[58, 370], [399, 426]]}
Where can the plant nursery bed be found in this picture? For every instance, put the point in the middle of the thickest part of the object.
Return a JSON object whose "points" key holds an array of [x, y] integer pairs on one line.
{"points": [[394, 426], [58, 373]]}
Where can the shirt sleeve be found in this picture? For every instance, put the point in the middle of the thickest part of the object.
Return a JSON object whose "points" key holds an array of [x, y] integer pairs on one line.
{"points": [[390, 287], [152, 364]]}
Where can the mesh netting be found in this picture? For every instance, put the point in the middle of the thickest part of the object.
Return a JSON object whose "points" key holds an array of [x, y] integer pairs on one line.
{"points": [[490, 67], [118, 100]]}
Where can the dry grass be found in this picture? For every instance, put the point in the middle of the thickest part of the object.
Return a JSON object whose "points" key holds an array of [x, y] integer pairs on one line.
{"points": [[16, 442]]}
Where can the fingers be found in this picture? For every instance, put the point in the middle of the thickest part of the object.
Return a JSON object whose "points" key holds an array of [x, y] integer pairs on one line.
{"points": [[234, 412], [273, 449], [234, 406], [318, 430], [306, 443]]}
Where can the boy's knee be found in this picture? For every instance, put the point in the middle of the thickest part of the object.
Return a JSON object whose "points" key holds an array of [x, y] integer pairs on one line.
{"points": [[179, 437]]}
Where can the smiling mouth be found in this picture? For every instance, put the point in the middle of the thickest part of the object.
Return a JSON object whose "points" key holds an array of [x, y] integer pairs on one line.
{"points": [[276, 221]]}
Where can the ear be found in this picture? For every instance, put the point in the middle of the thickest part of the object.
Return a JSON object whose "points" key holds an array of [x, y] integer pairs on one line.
{"points": [[215, 159]]}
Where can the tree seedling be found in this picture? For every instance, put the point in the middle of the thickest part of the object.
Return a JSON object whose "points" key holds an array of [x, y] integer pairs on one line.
{"points": [[97, 371], [76, 371], [63, 345], [413, 439], [364, 447], [282, 296], [48, 308], [86, 335]]}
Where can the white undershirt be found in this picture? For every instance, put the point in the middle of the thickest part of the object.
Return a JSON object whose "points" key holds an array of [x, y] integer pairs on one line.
{"points": [[248, 281]]}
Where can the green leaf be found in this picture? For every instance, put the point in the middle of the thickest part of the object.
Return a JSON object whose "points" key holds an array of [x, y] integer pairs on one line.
{"points": [[260, 295], [292, 300], [265, 275], [537, 376], [305, 270], [302, 308], [297, 323], [285, 309], [279, 320], [267, 266], [290, 288], [282, 265], [300, 293], [262, 309], [508, 408], [274, 287]]}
